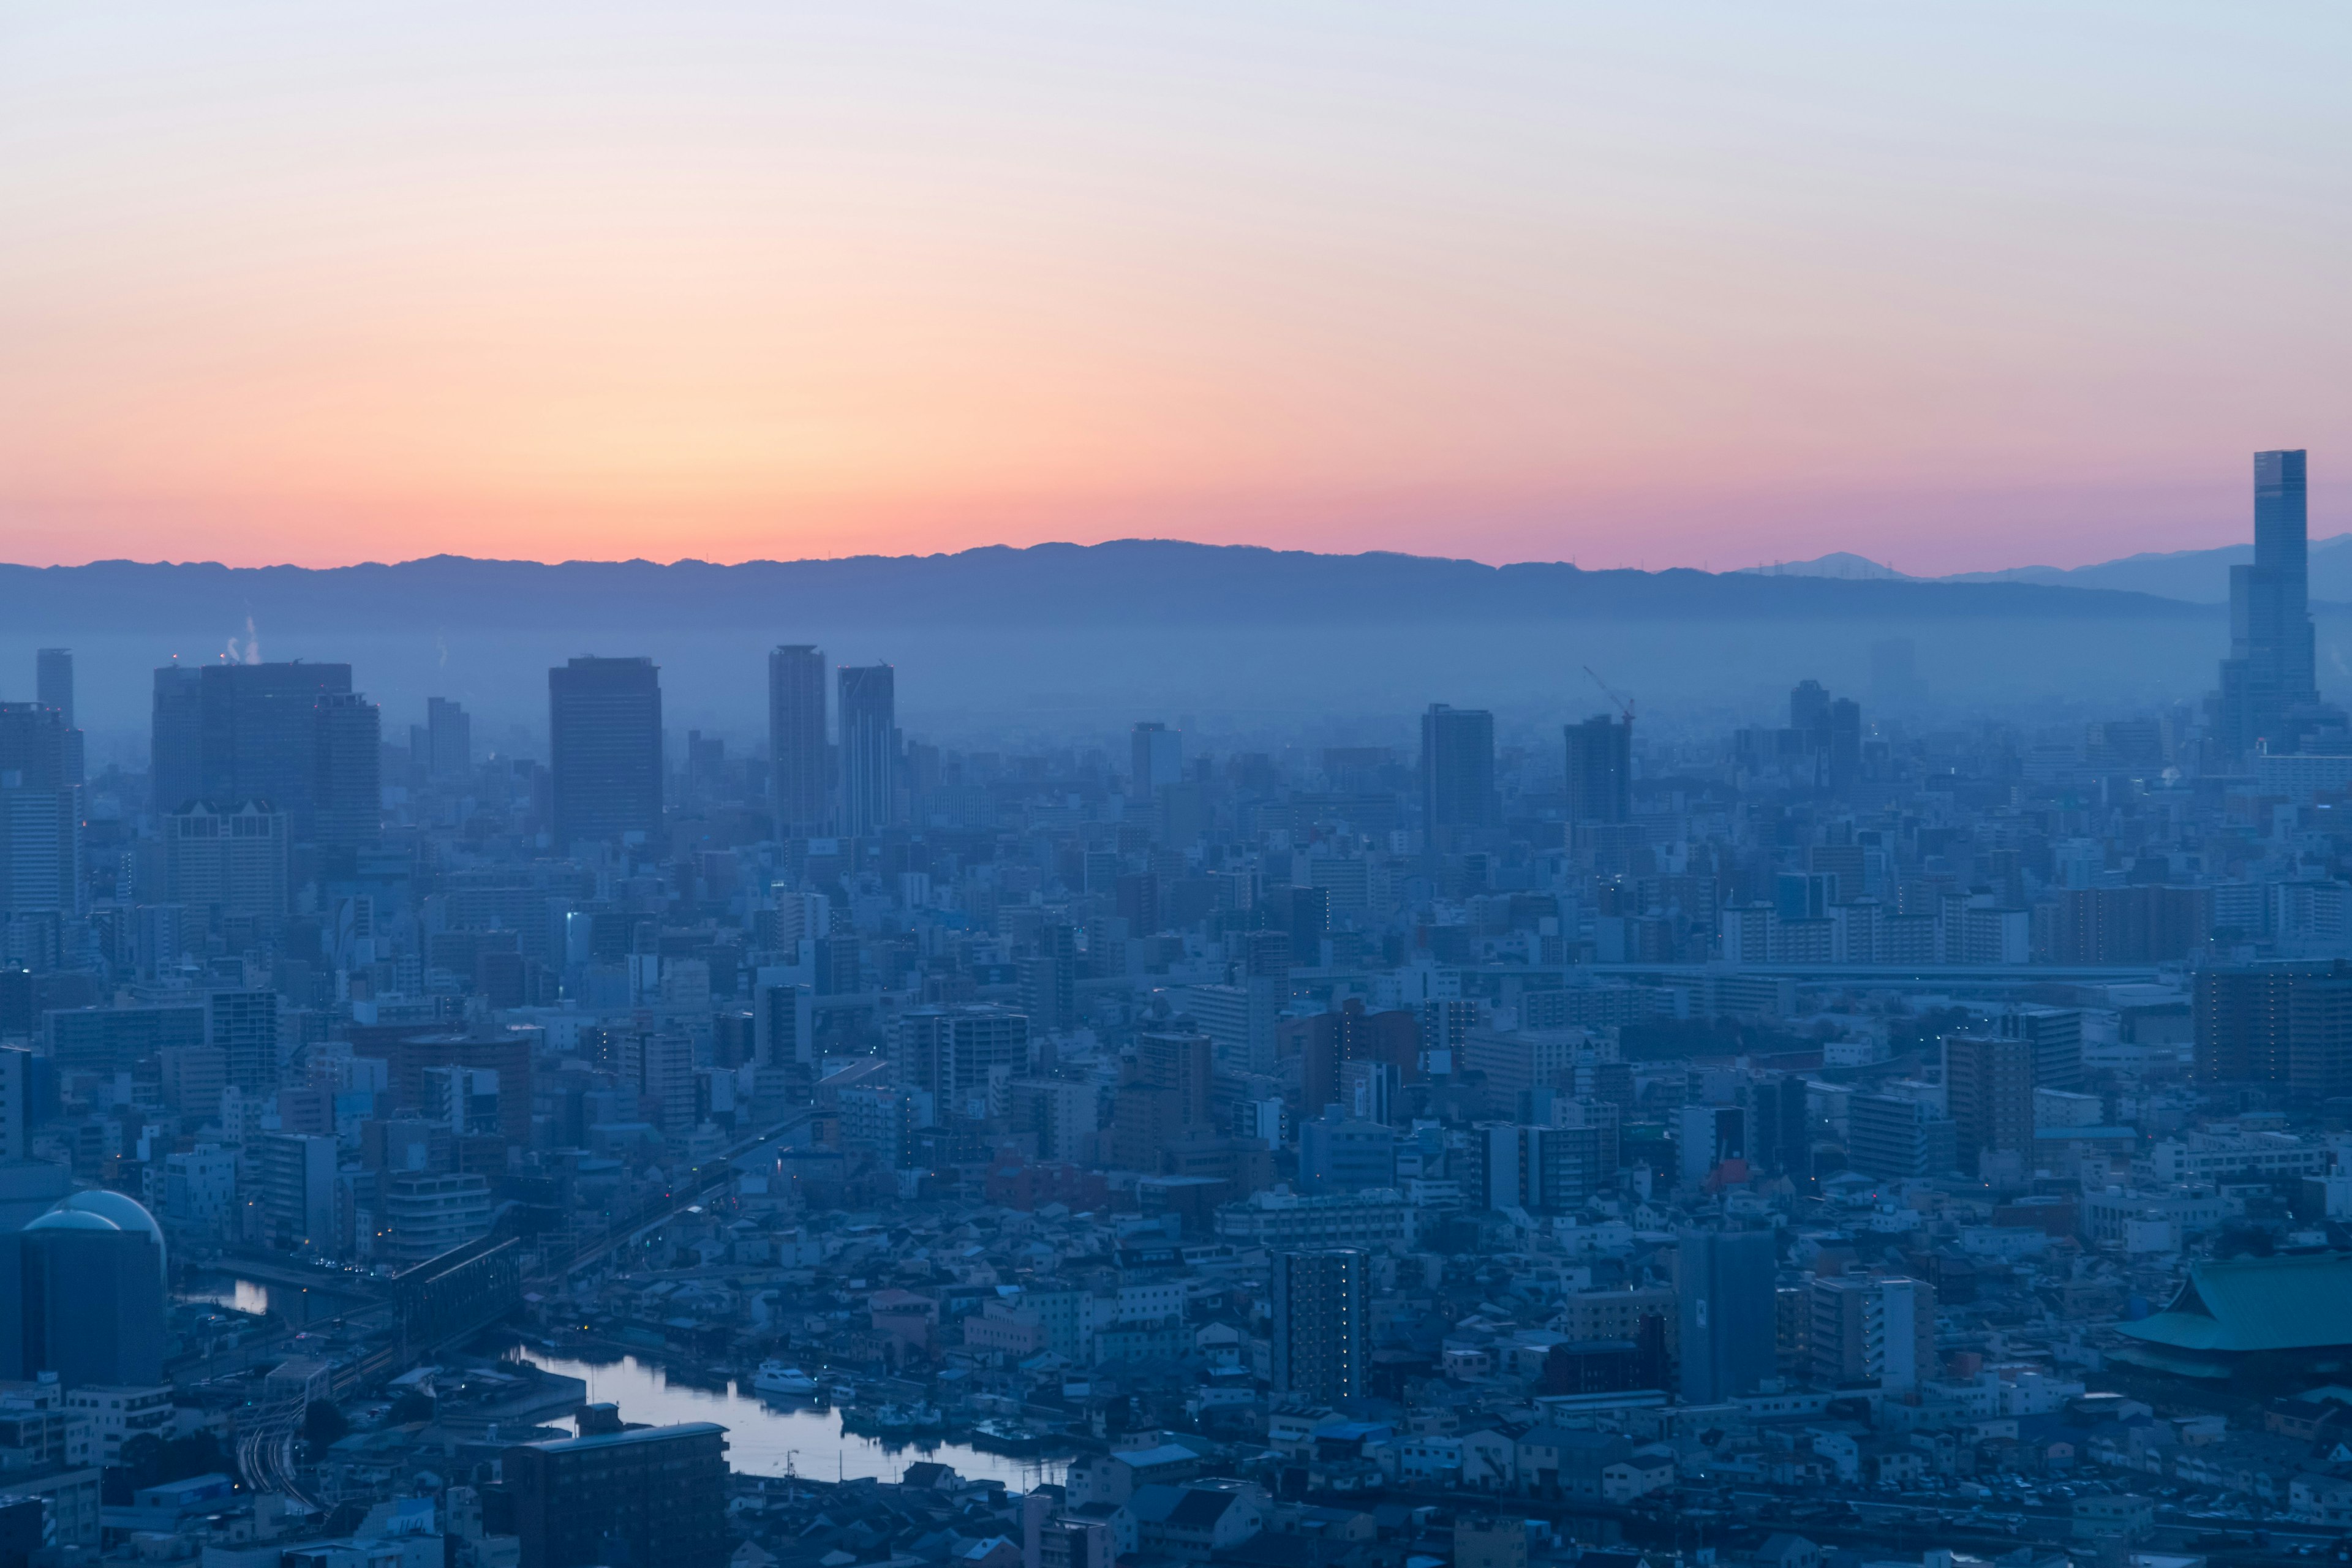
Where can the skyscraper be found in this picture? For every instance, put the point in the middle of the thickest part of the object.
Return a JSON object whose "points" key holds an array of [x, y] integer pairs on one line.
{"points": [[176, 764], [1723, 1278], [53, 682], [869, 747], [605, 744], [293, 734], [1600, 770], [1322, 1339], [448, 742], [796, 745], [1457, 771], [348, 798], [1157, 759], [52, 686], [40, 813], [2271, 673]]}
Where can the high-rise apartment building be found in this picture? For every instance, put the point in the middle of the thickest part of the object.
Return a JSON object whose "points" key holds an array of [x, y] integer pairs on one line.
{"points": [[1457, 771], [2270, 681], [1724, 1279], [604, 745], [1989, 1085], [1866, 1330], [1600, 770], [799, 758], [1322, 1329], [869, 747], [648, 1494], [951, 1053]]}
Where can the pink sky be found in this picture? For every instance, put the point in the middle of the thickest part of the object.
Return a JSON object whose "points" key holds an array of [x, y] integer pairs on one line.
{"points": [[1955, 288]]}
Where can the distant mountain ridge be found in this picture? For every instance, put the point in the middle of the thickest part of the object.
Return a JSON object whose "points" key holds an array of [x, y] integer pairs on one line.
{"points": [[1120, 584], [2192, 576]]}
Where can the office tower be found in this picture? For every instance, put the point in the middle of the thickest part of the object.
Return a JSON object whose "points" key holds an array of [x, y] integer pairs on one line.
{"points": [[349, 799], [1322, 1308], [869, 747], [1457, 771], [294, 1180], [1600, 770], [52, 686], [1158, 760], [40, 815], [784, 1023], [1809, 714], [1888, 1135], [1989, 1085], [652, 1494], [1049, 980], [1707, 1135], [1845, 761], [229, 863], [449, 756], [1343, 1155], [2271, 673], [82, 1295], [605, 744], [176, 764], [53, 681], [952, 1053], [659, 1064], [1724, 1280], [1546, 1169], [1868, 1332], [799, 770], [1778, 1129]]}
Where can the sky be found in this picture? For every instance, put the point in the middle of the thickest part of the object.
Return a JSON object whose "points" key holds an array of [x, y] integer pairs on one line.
{"points": [[1958, 287]]}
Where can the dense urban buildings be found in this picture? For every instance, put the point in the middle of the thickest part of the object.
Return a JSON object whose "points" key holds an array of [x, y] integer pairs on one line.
{"points": [[1793, 1135]]}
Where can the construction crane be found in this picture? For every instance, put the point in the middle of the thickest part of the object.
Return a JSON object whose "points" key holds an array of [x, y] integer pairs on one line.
{"points": [[1624, 704]]}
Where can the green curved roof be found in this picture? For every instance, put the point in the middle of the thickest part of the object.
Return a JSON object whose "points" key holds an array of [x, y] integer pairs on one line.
{"points": [[2300, 1302]]}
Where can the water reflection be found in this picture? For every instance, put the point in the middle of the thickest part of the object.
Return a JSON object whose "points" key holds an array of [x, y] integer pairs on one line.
{"points": [[766, 1437], [244, 1295]]}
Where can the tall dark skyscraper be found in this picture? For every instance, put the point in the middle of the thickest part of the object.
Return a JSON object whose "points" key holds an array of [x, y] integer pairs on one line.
{"points": [[605, 744], [2270, 681], [176, 764], [448, 754], [1600, 770], [290, 734], [348, 802], [40, 812], [52, 686], [869, 747], [797, 758], [1457, 770]]}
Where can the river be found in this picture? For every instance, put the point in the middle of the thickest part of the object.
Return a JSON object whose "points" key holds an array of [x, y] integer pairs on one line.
{"points": [[766, 1438]]}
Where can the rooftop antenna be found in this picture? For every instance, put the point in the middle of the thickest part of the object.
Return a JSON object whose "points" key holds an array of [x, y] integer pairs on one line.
{"points": [[1624, 704]]}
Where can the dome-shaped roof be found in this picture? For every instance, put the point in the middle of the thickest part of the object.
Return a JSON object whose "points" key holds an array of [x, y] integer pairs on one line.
{"points": [[73, 1219], [123, 1211], [127, 1212]]}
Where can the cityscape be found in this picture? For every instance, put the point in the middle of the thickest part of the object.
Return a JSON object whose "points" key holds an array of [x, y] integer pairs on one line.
{"points": [[1844, 1137], [1050, 786]]}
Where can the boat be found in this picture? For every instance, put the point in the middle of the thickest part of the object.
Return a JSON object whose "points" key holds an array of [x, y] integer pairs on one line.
{"points": [[927, 1418], [894, 1418], [1005, 1437], [783, 1382]]}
